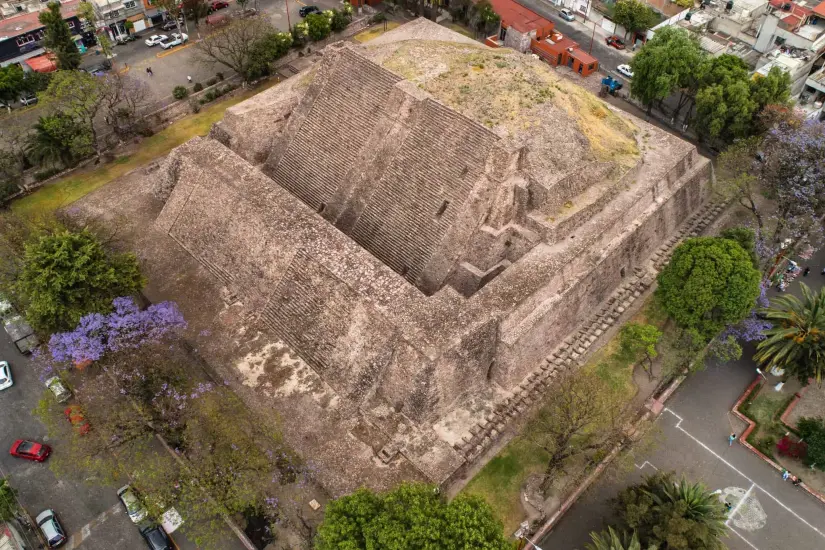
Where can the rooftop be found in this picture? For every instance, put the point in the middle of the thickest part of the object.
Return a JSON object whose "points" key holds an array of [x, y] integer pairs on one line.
{"points": [[27, 22], [521, 18]]}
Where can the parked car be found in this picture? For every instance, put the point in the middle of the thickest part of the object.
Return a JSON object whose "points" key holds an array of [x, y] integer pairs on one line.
{"points": [[615, 41], [218, 5], [625, 70], [30, 450], [5, 376], [74, 414], [176, 40], [134, 508], [98, 70], [28, 98], [171, 25], [61, 394], [155, 39], [155, 537], [51, 528], [567, 15], [306, 10], [124, 39]]}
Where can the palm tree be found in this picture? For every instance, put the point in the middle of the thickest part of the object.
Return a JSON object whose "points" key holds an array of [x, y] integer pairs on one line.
{"points": [[797, 340], [611, 540], [51, 142]]}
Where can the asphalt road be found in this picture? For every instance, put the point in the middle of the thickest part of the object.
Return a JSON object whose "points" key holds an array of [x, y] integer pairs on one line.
{"points": [[693, 441], [91, 514]]}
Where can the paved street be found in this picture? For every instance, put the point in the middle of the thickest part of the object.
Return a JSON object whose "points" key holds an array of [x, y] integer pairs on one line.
{"points": [[171, 67], [92, 514], [693, 441]]}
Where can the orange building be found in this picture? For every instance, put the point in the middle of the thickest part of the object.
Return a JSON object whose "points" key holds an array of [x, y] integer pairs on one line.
{"points": [[522, 20], [560, 50]]}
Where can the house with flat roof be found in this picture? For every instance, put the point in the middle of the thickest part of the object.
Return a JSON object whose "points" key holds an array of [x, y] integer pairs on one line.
{"points": [[21, 37]]}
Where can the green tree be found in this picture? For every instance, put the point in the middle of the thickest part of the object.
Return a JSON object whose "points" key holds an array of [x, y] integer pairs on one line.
{"points": [[796, 342], [58, 141], [637, 342], [634, 16], [318, 26], [339, 21], [413, 516], [266, 50], [8, 500], [746, 238], [611, 540], [724, 107], [772, 89], [483, 17], [66, 275], [667, 63], [812, 431], [58, 39], [11, 83], [671, 515], [710, 282], [79, 96]]}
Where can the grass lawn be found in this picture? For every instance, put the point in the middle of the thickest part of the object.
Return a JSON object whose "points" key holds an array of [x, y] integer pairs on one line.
{"points": [[67, 190], [764, 407], [375, 31], [500, 481]]}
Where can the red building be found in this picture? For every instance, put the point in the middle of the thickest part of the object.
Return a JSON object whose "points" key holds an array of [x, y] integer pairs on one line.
{"points": [[524, 30]]}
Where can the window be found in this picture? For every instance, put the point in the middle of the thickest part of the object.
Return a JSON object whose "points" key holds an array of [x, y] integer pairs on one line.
{"points": [[129, 4], [23, 40], [40, 35], [71, 24]]}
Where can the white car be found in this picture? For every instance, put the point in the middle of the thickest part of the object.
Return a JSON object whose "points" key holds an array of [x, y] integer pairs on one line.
{"points": [[625, 70], [156, 39], [5, 376], [176, 40], [134, 508], [567, 15], [51, 528], [61, 394]]}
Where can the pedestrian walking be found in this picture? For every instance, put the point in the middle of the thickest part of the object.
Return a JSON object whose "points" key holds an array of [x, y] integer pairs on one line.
{"points": [[149, 71], [797, 481], [731, 439], [822, 272], [189, 78], [728, 507], [807, 270], [785, 474]]}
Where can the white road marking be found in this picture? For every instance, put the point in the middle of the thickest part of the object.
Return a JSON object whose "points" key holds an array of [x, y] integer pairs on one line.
{"points": [[646, 463], [738, 534], [739, 504], [732, 467], [77, 539]]}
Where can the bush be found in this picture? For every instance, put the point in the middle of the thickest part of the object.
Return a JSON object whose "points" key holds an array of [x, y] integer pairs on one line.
{"points": [[339, 21], [318, 26], [210, 96], [219, 76], [195, 105], [197, 87], [7, 189], [180, 92], [46, 174], [211, 82], [378, 17]]}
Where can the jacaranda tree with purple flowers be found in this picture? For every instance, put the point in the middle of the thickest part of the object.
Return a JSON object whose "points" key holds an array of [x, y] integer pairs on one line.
{"points": [[126, 327]]}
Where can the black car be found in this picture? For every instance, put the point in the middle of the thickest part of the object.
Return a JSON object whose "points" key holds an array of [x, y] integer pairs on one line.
{"points": [[306, 10], [155, 537], [171, 25]]}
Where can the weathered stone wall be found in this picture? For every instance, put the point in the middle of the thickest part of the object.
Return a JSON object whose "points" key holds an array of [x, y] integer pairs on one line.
{"points": [[517, 40], [585, 278]]}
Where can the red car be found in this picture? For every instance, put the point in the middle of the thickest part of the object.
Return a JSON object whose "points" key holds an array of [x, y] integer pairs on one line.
{"points": [[218, 5], [615, 41], [30, 450], [74, 414]]}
